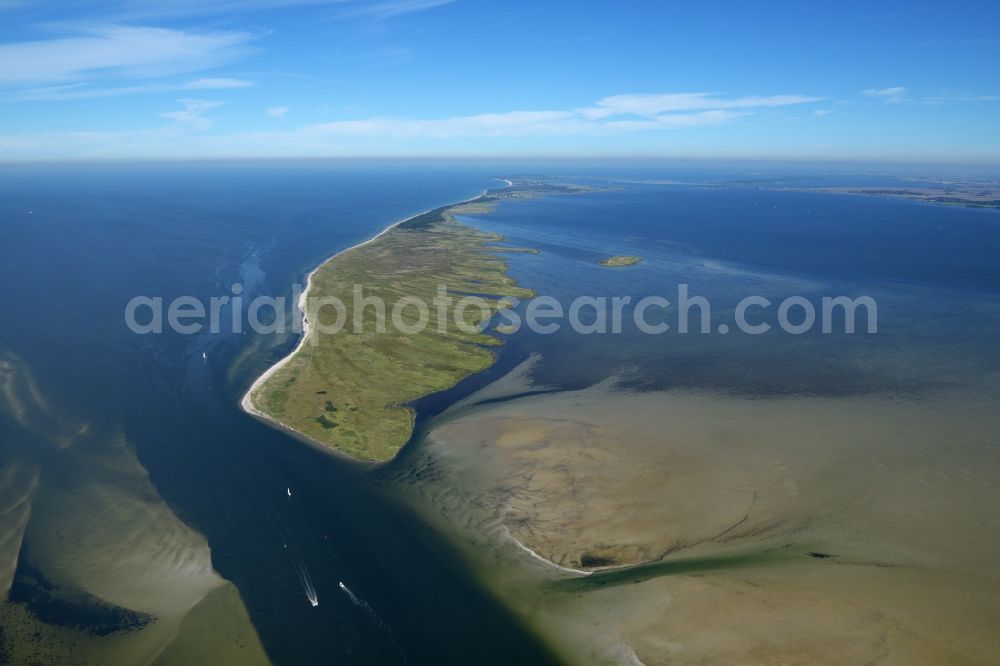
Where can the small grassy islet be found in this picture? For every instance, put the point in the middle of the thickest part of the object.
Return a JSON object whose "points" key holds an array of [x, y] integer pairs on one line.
{"points": [[621, 260]]}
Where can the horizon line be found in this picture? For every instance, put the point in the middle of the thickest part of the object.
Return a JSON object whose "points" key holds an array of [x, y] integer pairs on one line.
{"points": [[886, 160]]}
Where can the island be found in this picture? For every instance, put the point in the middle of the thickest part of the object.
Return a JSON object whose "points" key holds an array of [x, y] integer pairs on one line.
{"points": [[621, 260], [351, 390]]}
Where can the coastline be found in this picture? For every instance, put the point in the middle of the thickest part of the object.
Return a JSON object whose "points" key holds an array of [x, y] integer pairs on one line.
{"points": [[549, 563], [246, 402]]}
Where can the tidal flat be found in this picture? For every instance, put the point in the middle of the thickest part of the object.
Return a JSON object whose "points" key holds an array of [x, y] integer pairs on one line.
{"points": [[689, 527]]}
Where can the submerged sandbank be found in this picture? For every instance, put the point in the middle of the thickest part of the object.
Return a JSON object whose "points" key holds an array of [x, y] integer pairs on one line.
{"points": [[729, 530], [97, 568]]}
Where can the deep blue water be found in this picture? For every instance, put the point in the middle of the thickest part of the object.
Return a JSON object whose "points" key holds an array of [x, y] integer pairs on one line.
{"points": [[79, 241], [831, 236], [98, 235]]}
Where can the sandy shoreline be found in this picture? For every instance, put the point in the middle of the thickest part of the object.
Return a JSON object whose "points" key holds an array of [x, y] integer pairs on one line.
{"points": [[549, 563], [246, 403]]}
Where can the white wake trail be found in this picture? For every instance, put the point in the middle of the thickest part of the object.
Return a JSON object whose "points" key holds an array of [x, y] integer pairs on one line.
{"points": [[354, 599], [370, 612], [302, 572]]}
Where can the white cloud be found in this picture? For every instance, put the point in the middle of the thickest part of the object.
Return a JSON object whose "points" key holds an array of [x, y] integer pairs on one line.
{"points": [[390, 8], [201, 7], [946, 99], [216, 84], [191, 116], [115, 50], [653, 105], [620, 115], [675, 121], [898, 94], [277, 111], [819, 113], [892, 95], [132, 11], [69, 91], [513, 123]]}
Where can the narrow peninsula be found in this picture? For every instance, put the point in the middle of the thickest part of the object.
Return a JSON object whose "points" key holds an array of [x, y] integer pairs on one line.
{"points": [[350, 390]]}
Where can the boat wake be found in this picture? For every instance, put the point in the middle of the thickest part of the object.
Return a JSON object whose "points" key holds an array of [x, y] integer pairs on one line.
{"points": [[357, 602], [370, 612], [303, 574], [298, 564], [301, 571]]}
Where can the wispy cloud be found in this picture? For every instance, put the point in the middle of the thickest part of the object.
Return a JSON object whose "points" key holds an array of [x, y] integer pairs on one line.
{"points": [[618, 115], [118, 51], [899, 94], [131, 11], [391, 8], [70, 91], [192, 115], [201, 7], [610, 115], [516, 124], [947, 99], [893, 95], [513, 123], [654, 105]]}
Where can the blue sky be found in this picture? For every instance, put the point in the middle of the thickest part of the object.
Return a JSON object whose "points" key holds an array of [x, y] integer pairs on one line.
{"points": [[903, 81]]}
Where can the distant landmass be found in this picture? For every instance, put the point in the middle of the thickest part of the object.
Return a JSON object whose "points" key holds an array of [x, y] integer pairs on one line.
{"points": [[972, 195]]}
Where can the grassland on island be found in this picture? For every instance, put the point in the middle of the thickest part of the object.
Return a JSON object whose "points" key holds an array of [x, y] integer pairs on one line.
{"points": [[350, 390], [621, 260]]}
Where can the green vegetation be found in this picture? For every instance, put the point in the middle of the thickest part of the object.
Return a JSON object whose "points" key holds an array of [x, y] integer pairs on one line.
{"points": [[621, 260], [350, 390]]}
